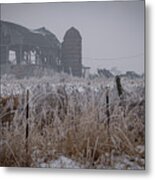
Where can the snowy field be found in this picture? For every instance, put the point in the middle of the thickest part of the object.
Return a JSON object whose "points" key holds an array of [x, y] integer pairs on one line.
{"points": [[71, 124]]}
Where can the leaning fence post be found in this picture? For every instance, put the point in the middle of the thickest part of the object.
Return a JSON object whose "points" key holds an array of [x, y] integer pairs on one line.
{"points": [[120, 93], [119, 86], [27, 123]]}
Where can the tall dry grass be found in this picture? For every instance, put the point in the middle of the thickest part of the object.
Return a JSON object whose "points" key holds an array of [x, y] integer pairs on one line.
{"points": [[74, 124]]}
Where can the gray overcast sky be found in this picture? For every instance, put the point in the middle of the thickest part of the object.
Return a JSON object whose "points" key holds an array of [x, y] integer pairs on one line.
{"points": [[112, 32]]}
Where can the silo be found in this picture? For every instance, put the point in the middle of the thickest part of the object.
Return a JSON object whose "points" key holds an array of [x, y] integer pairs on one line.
{"points": [[71, 52]]}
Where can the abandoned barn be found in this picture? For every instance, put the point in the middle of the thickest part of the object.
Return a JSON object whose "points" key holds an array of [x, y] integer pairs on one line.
{"points": [[25, 48]]}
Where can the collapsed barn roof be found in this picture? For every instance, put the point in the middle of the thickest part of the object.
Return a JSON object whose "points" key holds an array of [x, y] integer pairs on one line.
{"points": [[48, 35], [14, 34]]}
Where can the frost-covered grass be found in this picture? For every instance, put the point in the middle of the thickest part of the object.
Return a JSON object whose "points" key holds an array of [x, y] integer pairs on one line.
{"points": [[68, 123]]}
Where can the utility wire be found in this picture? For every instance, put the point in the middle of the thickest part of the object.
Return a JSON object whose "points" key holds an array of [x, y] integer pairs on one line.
{"points": [[114, 58]]}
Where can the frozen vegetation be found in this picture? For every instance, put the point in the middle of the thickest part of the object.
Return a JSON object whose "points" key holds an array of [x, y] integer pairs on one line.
{"points": [[71, 124]]}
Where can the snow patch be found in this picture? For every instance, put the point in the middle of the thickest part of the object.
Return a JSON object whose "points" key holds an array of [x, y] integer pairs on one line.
{"points": [[61, 162]]}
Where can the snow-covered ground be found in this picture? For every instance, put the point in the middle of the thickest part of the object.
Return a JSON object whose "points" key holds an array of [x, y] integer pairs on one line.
{"points": [[123, 162]]}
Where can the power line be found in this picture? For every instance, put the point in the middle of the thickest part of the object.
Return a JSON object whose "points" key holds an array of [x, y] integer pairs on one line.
{"points": [[114, 58]]}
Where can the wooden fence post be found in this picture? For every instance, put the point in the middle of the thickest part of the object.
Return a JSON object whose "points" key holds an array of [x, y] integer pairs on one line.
{"points": [[120, 93], [107, 107], [108, 124], [27, 123], [119, 86]]}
